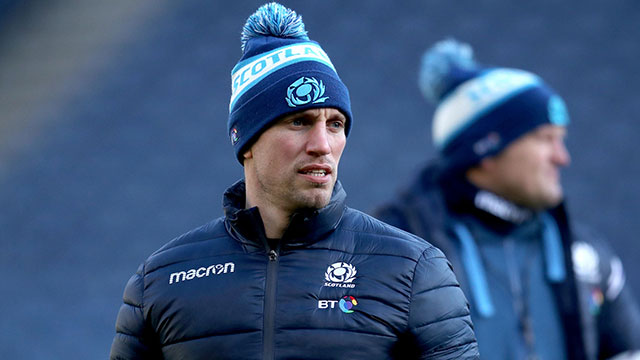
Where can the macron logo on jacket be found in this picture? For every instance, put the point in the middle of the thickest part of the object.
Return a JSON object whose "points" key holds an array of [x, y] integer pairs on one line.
{"points": [[200, 272]]}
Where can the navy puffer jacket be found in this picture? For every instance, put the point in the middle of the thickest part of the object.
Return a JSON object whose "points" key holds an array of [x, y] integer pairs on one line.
{"points": [[339, 284]]}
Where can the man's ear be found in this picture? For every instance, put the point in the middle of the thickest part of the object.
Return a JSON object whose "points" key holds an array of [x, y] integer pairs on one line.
{"points": [[477, 173], [480, 173], [487, 163], [247, 154]]}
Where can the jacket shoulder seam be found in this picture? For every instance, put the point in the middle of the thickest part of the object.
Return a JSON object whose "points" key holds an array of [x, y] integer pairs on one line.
{"points": [[167, 247], [409, 236], [144, 279], [365, 253], [169, 263], [413, 277]]}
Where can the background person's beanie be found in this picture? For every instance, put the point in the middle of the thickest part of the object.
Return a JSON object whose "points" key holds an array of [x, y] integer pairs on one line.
{"points": [[281, 72], [481, 110]]}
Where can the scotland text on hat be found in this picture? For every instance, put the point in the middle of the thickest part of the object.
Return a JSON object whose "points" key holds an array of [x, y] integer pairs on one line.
{"points": [[250, 71]]}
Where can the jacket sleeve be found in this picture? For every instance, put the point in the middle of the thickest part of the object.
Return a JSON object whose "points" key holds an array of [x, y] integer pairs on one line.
{"points": [[618, 315], [439, 315], [619, 319], [133, 338]]}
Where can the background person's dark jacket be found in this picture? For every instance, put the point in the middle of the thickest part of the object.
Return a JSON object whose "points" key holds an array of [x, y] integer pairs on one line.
{"points": [[590, 333], [221, 292]]}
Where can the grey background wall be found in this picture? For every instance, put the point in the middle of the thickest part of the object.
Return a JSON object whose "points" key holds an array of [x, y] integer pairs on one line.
{"points": [[113, 122]]}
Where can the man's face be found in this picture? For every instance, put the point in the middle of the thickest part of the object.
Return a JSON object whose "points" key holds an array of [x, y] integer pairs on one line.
{"points": [[527, 172], [294, 163]]}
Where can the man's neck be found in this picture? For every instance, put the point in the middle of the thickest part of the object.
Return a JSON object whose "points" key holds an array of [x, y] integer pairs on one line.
{"points": [[465, 197], [275, 220]]}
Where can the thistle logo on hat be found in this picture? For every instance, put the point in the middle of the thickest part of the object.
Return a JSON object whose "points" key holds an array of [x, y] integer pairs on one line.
{"points": [[481, 110], [304, 91], [281, 72]]}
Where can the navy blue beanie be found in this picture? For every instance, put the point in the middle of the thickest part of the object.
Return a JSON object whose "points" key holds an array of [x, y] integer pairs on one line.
{"points": [[281, 72], [480, 111]]}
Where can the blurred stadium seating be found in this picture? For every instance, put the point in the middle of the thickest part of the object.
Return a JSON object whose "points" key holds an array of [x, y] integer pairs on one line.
{"points": [[113, 122]]}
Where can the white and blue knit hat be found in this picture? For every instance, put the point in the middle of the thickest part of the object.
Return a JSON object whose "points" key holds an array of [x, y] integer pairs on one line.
{"points": [[281, 72], [481, 110]]}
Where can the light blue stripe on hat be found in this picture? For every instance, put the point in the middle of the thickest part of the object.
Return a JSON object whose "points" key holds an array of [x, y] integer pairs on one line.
{"points": [[476, 97], [558, 114]]}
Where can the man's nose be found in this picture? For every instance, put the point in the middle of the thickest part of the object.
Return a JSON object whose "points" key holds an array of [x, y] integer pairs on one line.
{"points": [[561, 154], [318, 140]]}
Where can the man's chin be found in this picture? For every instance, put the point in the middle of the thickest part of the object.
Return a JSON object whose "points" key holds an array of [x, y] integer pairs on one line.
{"points": [[551, 201], [317, 198], [557, 201]]}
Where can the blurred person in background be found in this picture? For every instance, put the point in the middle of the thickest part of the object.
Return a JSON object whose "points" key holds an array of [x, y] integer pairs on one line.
{"points": [[493, 203], [290, 271]]}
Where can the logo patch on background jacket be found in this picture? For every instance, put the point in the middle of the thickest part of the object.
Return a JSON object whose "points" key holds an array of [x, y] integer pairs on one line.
{"points": [[340, 275], [586, 262]]}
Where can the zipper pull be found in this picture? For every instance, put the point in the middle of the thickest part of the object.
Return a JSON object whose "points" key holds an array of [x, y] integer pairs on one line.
{"points": [[273, 255]]}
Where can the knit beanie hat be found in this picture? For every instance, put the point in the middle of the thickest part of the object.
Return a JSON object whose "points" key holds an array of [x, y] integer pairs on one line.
{"points": [[480, 111], [281, 72]]}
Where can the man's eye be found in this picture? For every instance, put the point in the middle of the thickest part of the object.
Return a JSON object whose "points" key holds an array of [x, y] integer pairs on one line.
{"points": [[296, 122], [549, 138], [337, 124], [544, 136]]}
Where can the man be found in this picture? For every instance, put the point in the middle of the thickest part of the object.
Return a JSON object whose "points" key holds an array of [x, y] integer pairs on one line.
{"points": [[290, 272], [493, 203]]}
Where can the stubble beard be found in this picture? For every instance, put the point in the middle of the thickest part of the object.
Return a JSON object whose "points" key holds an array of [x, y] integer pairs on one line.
{"points": [[317, 199], [556, 197], [551, 198], [291, 196]]}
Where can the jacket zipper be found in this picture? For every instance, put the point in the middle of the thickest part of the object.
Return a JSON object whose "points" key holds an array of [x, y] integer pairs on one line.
{"points": [[270, 305], [520, 304]]}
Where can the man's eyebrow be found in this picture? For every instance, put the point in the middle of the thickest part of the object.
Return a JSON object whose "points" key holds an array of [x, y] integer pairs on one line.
{"points": [[293, 116], [338, 116]]}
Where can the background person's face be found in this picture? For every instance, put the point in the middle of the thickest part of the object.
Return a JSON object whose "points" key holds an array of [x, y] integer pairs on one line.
{"points": [[295, 162], [527, 172]]}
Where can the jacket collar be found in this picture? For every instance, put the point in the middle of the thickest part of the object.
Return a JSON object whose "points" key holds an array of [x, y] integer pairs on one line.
{"points": [[306, 227], [462, 197]]}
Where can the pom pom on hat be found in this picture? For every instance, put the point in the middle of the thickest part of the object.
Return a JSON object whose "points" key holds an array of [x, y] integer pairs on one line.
{"points": [[273, 19], [481, 110], [444, 66], [281, 72]]}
